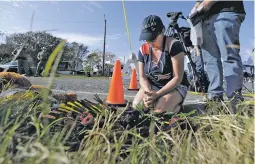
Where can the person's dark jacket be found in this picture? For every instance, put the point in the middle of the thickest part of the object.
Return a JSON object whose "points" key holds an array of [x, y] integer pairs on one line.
{"points": [[226, 6]]}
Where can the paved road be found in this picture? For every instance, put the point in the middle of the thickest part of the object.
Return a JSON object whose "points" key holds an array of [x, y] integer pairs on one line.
{"points": [[87, 87]]}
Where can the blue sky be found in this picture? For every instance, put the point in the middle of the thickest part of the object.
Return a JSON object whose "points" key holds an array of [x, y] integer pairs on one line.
{"points": [[83, 21]]}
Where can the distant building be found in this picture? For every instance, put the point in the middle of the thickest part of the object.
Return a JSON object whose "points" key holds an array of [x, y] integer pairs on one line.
{"points": [[65, 67], [248, 63]]}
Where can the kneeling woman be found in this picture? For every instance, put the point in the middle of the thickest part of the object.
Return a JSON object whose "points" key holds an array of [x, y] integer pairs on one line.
{"points": [[161, 69]]}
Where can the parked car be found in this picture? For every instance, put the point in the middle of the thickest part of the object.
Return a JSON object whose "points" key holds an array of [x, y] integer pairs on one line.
{"points": [[13, 67]]}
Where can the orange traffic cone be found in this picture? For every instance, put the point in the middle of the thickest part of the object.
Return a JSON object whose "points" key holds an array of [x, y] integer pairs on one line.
{"points": [[116, 94], [133, 81]]}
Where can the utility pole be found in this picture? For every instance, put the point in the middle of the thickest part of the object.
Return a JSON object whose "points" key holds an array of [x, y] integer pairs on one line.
{"points": [[104, 43], [32, 21]]}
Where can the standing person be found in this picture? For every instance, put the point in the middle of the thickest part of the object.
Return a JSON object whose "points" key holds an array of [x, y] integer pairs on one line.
{"points": [[220, 27], [111, 71], [252, 66], [161, 69], [42, 57], [22, 61]]}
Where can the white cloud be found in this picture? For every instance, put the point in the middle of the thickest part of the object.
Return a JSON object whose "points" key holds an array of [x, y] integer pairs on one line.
{"points": [[125, 33], [8, 16], [85, 39], [81, 38], [32, 6], [92, 6], [96, 4], [113, 37], [88, 7], [22, 4], [54, 2], [14, 29], [17, 4]]}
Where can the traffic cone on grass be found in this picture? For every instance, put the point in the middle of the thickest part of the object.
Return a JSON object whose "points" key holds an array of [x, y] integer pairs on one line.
{"points": [[133, 81], [116, 94]]}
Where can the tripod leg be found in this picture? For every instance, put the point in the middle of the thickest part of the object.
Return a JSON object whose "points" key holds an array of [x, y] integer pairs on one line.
{"points": [[194, 79], [194, 72], [203, 66], [193, 66], [247, 89], [201, 57]]}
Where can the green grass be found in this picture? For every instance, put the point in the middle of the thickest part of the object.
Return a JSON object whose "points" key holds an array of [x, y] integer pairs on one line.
{"points": [[25, 137]]}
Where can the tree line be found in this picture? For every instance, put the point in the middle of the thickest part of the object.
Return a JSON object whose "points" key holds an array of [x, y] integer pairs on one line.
{"points": [[35, 41]]}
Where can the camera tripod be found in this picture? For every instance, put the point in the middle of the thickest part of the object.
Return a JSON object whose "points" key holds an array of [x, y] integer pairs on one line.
{"points": [[174, 30]]}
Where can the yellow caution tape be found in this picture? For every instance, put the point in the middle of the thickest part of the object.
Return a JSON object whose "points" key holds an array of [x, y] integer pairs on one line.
{"points": [[128, 34], [198, 93]]}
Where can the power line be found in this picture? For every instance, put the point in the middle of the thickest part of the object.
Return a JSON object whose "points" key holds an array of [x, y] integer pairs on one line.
{"points": [[54, 21]]}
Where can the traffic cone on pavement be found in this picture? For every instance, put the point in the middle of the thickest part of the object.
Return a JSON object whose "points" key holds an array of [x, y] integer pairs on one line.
{"points": [[133, 81], [116, 94]]}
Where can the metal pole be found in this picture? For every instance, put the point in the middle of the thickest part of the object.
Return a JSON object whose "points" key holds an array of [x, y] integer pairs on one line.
{"points": [[104, 43]]}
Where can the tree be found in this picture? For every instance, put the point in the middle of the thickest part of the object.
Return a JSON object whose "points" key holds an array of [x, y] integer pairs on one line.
{"points": [[5, 52], [109, 56], [82, 51], [92, 59], [69, 53], [75, 53], [33, 42]]}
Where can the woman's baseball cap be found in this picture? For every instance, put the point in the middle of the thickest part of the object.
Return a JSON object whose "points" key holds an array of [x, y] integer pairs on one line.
{"points": [[152, 26]]}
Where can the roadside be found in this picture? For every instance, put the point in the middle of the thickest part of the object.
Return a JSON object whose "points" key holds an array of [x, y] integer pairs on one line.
{"points": [[86, 87]]}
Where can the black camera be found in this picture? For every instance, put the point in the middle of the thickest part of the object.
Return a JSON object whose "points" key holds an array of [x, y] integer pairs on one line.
{"points": [[175, 16]]}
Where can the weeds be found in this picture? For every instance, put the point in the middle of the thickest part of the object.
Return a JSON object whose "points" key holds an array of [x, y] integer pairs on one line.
{"points": [[27, 137]]}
